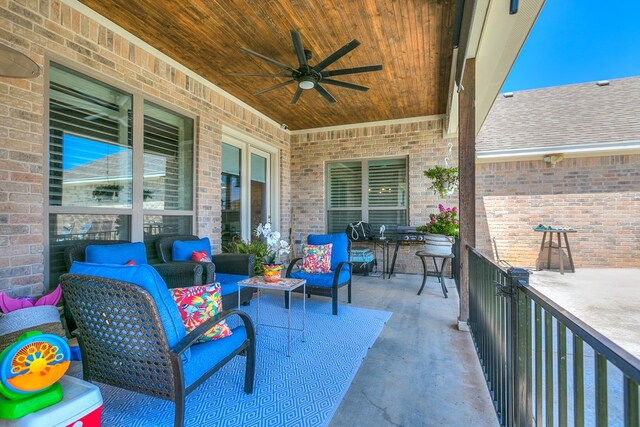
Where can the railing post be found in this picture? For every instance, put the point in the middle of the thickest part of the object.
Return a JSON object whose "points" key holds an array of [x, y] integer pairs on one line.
{"points": [[518, 319]]}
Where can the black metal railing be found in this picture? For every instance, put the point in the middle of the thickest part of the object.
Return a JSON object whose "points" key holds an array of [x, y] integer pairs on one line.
{"points": [[544, 366]]}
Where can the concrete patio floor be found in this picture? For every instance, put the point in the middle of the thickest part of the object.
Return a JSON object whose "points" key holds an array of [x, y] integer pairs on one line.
{"points": [[606, 299], [422, 371]]}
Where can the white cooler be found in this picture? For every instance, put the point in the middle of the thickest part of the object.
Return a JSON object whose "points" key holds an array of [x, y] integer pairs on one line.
{"points": [[81, 406]]}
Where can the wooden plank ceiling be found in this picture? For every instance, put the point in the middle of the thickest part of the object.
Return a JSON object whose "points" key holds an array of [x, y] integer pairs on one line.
{"points": [[412, 39]]}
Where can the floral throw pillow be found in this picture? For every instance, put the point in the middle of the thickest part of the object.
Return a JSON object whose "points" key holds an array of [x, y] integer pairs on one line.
{"points": [[196, 304], [316, 259], [201, 256]]}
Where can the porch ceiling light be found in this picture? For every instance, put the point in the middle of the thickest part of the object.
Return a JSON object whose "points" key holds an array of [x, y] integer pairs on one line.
{"points": [[306, 82]]}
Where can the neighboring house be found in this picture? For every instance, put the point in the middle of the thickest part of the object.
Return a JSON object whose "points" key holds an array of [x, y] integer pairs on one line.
{"points": [[564, 156]]}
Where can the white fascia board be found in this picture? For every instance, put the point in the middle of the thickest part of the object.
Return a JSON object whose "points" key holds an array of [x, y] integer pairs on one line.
{"points": [[572, 150], [451, 118], [477, 27], [92, 14], [502, 37]]}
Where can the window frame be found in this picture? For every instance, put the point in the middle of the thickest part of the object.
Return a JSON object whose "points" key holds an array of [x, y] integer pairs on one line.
{"points": [[364, 208], [250, 145], [136, 211]]}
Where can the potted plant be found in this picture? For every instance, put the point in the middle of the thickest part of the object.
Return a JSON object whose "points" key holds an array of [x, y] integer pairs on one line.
{"points": [[257, 248], [442, 229], [276, 247], [444, 181]]}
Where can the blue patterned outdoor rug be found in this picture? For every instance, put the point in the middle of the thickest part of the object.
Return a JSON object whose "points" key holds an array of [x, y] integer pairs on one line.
{"points": [[302, 390]]}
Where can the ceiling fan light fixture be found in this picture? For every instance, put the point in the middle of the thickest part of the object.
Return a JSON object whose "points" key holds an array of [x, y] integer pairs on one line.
{"points": [[306, 83]]}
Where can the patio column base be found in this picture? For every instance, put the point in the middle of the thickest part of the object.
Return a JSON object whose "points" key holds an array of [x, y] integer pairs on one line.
{"points": [[463, 326]]}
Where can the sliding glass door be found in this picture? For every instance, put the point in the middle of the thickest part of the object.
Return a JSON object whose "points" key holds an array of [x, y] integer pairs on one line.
{"points": [[246, 187]]}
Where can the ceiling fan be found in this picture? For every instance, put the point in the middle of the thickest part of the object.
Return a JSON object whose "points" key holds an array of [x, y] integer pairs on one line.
{"points": [[312, 77]]}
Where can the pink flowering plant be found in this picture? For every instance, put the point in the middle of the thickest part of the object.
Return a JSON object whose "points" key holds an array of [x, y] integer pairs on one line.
{"points": [[445, 222]]}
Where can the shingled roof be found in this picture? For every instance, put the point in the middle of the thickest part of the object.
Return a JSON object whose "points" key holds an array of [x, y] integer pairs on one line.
{"points": [[564, 115]]}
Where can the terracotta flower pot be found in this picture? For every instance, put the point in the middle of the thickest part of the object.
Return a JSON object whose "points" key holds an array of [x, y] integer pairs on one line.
{"points": [[272, 272]]}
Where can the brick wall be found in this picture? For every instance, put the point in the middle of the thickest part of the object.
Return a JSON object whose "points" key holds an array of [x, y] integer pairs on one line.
{"points": [[598, 196], [43, 27], [421, 141]]}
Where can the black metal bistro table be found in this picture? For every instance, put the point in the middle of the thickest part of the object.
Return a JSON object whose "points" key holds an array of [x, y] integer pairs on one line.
{"points": [[383, 244], [560, 232], [438, 273]]}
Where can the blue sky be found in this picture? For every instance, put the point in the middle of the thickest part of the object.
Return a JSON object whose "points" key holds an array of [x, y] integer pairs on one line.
{"points": [[78, 151], [576, 41]]}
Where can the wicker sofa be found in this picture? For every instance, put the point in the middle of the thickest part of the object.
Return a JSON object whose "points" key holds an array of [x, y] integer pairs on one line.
{"points": [[228, 269]]}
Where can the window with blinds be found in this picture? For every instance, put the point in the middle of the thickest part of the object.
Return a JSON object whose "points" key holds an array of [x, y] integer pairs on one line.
{"points": [[373, 191], [90, 142], [168, 159], [92, 174]]}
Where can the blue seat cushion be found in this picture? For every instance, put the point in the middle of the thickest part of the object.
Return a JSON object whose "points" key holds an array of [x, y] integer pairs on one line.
{"points": [[322, 280], [120, 253], [148, 278], [206, 355], [182, 249], [229, 282], [339, 251]]}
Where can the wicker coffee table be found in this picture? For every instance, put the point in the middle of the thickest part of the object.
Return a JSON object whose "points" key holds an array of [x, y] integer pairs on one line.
{"points": [[286, 285]]}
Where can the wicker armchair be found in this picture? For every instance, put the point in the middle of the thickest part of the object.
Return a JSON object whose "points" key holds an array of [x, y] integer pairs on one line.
{"points": [[124, 341], [326, 284], [227, 268]]}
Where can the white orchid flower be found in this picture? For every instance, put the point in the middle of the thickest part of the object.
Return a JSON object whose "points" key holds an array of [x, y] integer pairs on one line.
{"points": [[259, 230], [284, 247]]}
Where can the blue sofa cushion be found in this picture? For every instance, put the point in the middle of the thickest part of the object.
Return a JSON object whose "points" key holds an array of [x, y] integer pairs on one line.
{"points": [[148, 278], [206, 355], [120, 253], [182, 249], [339, 251], [229, 282], [322, 280]]}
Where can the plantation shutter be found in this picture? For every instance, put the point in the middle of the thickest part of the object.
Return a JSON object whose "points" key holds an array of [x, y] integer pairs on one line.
{"points": [[168, 159], [344, 195], [385, 199], [387, 193]]}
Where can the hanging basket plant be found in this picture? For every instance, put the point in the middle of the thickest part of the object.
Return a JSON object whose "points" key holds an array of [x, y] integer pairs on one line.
{"points": [[444, 181]]}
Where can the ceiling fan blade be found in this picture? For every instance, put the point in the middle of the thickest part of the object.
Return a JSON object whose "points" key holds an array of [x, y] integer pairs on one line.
{"points": [[355, 70], [296, 96], [345, 84], [266, 58], [261, 75], [279, 85], [326, 95], [297, 44], [337, 55]]}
